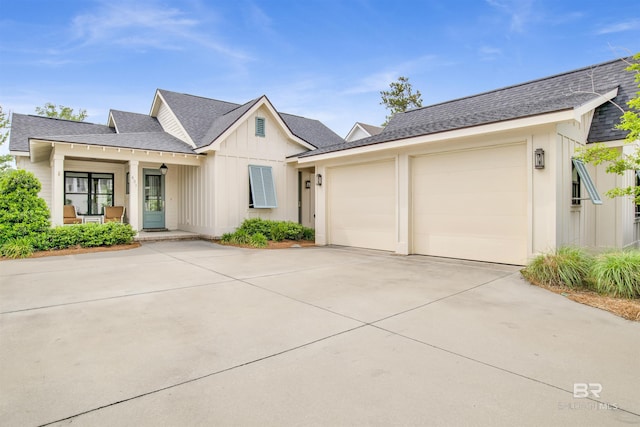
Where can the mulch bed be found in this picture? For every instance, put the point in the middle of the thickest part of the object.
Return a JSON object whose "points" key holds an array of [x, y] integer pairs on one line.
{"points": [[626, 308], [273, 245], [80, 250]]}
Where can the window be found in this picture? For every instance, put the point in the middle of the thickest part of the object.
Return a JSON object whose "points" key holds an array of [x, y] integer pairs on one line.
{"points": [[580, 175], [262, 189], [88, 192], [259, 126]]}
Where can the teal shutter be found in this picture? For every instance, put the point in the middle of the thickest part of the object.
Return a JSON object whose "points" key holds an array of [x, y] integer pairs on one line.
{"points": [[585, 178], [262, 186], [259, 126]]}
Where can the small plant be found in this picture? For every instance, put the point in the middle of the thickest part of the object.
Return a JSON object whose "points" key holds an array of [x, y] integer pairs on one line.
{"points": [[567, 266], [241, 237], [21, 247], [259, 240], [617, 273], [278, 231]]}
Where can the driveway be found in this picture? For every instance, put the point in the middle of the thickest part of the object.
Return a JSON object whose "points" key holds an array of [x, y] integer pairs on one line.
{"points": [[192, 333]]}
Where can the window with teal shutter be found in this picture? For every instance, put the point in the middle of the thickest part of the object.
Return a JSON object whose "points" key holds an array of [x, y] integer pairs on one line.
{"points": [[262, 188], [585, 179], [259, 126]]}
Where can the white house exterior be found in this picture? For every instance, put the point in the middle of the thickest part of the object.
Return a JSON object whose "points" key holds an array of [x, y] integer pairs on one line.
{"points": [[459, 179], [362, 130], [209, 148]]}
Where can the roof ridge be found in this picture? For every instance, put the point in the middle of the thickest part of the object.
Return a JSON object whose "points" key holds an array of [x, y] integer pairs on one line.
{"points": [[578, 70], [59, 119], [199, 96]]}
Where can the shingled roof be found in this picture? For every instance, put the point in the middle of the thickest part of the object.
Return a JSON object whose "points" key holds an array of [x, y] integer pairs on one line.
{"points": [[24, 127], [205, 119], [551, 94]]}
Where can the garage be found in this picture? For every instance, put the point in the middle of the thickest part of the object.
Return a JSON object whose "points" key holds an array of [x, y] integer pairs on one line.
{"points": [[471, 204], [362, 205]]}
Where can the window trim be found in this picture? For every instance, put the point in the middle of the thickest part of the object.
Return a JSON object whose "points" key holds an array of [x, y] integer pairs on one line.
{"points": [[262, 188], [90, 192], [261, 127], [586, 180]]}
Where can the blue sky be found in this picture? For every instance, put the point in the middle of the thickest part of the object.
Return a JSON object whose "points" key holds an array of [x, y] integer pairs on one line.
{"points": [[320, 59]]}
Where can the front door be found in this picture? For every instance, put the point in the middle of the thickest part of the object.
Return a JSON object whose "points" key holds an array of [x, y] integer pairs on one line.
{"points": [[153, 209]]}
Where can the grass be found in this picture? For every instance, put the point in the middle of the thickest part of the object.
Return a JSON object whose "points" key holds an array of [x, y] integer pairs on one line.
{"points": [[568, 266], [617, 274], [610, 281], [21, 247]]}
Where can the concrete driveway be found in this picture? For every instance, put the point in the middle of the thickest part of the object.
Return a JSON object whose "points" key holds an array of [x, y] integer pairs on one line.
{"points": [[191, 333]]}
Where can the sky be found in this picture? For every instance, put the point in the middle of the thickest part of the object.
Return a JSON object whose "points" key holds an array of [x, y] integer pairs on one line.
{"points": [[326, 60]]}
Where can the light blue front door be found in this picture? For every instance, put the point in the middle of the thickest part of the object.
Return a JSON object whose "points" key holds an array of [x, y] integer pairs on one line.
{"points": [[153, 206]]}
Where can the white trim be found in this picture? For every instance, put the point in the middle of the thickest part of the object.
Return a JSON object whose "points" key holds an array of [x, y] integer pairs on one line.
{"points": [[155, 107], [592, 105], [263, 101], [515, 124]]}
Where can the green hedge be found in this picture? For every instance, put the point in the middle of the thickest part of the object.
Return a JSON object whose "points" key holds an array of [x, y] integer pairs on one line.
{"points": [[256, 232], [69, 236], [23, 214]]}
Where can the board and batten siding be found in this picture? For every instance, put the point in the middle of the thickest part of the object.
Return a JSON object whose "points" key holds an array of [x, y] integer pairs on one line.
{"points": [[214, 198], [42, 171], [170, 124]]}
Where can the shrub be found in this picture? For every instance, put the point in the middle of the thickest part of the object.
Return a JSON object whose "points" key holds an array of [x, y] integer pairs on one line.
{"points": [[617, 274], [567, 266], [20, 247], [241, 237], [22, 212], [308, 233], [259, 240], [257, 225], [85, 235], [278, 231]]}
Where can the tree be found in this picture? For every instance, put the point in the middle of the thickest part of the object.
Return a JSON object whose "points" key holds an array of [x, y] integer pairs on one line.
{"points": [[66, 113], [5, 159], [400, 97], [618, 162], [22, 212]]}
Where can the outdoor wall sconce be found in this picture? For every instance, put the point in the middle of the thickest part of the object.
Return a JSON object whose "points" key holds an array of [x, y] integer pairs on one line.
{"points": [[539, 158], [319, 179], [307, 184], [163, 169]]}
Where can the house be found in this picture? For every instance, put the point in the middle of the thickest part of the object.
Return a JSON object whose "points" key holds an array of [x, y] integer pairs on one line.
{"points": [[193, 163], [490, 177], [362, 130]]}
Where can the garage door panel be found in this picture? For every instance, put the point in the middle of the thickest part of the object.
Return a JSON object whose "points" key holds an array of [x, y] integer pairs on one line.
{"points": [[362, 205], [471, 204]]}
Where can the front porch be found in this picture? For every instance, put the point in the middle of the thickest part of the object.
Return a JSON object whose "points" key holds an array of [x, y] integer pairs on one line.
{"points": [[92, 178]]}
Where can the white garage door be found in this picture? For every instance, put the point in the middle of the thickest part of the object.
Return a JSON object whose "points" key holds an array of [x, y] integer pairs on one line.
{"points": [[362, 205], [471, 204]]}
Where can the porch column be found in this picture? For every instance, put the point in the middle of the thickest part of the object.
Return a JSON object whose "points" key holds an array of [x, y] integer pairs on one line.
{"points": [[403, 180], [57, 189], [321, 207], [134, 195]]}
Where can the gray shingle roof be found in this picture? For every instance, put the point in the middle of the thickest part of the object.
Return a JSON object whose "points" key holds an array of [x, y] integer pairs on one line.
{"points": [[127, 122], [203, 119], [373, 130], [312, 131], [195, 113], [223, 123], [556, 93], [25, 126], [151, 141]]}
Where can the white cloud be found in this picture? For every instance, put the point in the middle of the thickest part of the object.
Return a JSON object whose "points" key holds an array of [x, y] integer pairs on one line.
{"points": [[519, 11], [620, 27], [143, 25]]}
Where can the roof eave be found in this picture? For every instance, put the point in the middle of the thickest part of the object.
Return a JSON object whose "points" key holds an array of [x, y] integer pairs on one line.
{"points": [[506, 125], [579, 111]]}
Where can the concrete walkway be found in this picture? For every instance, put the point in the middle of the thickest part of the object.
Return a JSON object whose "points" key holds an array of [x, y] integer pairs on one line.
{"points": [[192, 333]]}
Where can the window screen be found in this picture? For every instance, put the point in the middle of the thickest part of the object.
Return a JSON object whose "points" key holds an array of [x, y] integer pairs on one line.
{"points": [[262, 187]]}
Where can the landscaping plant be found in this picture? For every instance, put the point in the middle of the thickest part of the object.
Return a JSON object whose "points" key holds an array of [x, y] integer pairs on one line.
{"points": [[617, 273], [22, 212], [567, 266]]}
